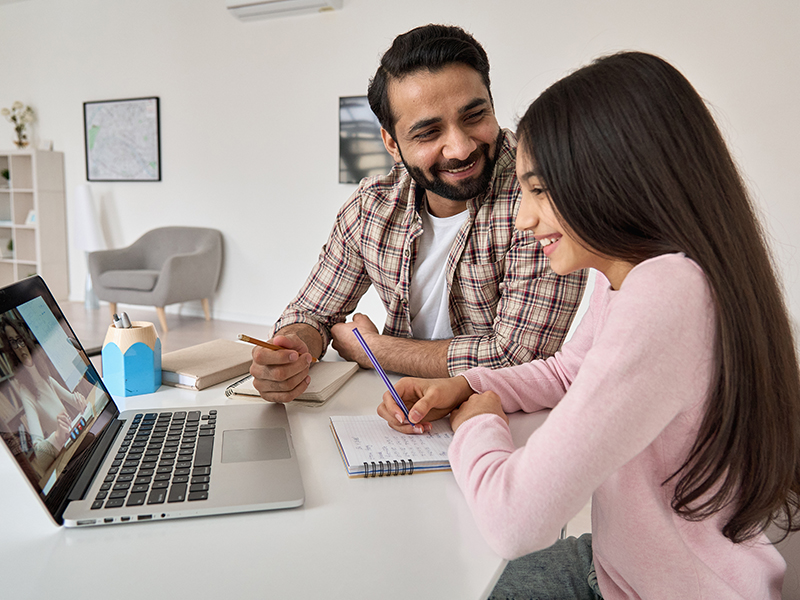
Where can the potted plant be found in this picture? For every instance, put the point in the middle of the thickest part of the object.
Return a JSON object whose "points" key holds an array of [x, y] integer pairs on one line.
{"points": [[20, 115], [6, 248]]}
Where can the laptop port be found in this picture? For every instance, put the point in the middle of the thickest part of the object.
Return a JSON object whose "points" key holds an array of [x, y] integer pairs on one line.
{"points": [[144, 517], [87, 522], [124, 518], [108, 520]]}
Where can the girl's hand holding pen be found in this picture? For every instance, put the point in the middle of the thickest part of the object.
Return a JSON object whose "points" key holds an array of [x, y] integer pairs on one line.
{"points": [[427, 399]]}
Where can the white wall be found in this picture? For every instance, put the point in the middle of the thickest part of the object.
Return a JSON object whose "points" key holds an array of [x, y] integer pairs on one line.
{"points": [[249, 111]]}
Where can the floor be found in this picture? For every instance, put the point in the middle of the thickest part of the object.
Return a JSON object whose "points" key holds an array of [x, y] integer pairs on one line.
{"points": [[91, 326]]}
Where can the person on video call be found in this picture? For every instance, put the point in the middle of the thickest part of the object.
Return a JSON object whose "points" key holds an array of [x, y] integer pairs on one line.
{"points": [[435, 237], [19, 443], [46, 402]]}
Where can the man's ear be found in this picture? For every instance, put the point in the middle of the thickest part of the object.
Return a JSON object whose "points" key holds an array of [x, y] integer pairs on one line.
{"points": [[391, 146]]}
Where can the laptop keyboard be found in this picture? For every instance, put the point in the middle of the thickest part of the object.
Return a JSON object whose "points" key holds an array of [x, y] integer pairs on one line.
{"points": [[165, 457]]}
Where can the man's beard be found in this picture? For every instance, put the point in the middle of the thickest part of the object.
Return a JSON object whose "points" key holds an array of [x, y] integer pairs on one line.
{"points": [[463, 191]]}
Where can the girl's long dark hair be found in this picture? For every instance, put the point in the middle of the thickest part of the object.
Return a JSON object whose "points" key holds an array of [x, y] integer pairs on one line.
{"points": [[636, 166]]}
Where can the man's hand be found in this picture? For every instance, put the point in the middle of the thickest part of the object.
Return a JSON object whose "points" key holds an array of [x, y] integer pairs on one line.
{"points": [[421, 358], [281, 375], [346, 343]]}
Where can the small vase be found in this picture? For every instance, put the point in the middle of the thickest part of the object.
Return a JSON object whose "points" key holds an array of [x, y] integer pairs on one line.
{"points": [[22, 137]]}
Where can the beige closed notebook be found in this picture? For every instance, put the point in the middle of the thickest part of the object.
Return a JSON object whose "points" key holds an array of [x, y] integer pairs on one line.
{"points": [[326, 378], [204, 365]]}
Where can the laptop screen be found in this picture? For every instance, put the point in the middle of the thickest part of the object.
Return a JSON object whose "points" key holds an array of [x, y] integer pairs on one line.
{"points": [[52, 404]]}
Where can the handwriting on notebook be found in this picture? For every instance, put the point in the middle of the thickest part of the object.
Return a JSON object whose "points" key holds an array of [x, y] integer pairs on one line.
{"points": [[371, 439]]}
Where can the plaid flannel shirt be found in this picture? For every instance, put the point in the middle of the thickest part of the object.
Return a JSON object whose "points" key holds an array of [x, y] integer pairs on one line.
{"points": [[506, 304]]}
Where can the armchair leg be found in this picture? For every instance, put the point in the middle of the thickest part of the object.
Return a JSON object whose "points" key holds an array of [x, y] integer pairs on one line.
{"points": [[206, 309], [162, 318], [113, 307]]}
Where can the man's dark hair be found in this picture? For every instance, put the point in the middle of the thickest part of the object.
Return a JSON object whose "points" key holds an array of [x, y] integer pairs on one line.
{"points": [[431, 48]]}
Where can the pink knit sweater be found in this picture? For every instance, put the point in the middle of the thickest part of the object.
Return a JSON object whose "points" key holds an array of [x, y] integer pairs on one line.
{"points": [[627, 395]]}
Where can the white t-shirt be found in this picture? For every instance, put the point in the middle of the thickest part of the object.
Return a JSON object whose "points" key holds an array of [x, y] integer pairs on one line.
{"points": [[428, 301]]}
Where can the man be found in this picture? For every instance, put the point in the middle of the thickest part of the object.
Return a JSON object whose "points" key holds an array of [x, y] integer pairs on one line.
{"points": [[435, 236]]}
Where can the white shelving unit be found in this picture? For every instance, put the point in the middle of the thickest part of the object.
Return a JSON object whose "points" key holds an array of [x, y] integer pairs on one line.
{"points": [[33, 218]]}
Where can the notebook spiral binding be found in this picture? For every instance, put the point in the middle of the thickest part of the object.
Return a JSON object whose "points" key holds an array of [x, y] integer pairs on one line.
{"points": [[229, 391], [385, 469]]}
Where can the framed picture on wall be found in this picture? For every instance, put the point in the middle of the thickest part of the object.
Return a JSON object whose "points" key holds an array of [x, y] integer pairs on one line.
{"points": [[122, 140], [361, 150]]}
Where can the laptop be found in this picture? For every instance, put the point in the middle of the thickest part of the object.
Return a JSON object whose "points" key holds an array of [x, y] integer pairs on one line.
{"points": [[91, 465]]}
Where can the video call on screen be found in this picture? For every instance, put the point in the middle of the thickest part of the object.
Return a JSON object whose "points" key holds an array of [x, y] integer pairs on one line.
{"points": [[49, 394]]}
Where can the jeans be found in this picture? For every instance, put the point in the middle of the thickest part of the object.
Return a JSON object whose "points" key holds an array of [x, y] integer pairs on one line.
{"points": [[564, 571]]}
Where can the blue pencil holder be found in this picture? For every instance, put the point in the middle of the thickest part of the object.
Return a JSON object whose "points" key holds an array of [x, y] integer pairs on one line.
{"points": [[132, 360]]}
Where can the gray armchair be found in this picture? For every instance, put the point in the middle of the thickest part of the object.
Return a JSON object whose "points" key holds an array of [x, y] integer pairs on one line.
{"points": [[164, 266]]}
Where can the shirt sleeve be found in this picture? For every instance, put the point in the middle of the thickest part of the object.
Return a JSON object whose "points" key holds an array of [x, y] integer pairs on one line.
{"points": [[337, 281], [43, 446], [551, 377], [74, 399], [534, 313], [650, 362]]}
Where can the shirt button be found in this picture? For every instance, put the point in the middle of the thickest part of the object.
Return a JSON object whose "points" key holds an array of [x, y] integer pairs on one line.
{"points": [[407, 252]]}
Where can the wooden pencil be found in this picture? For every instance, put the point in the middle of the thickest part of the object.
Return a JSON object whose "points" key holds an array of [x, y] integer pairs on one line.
{"points": [[257, 342]]}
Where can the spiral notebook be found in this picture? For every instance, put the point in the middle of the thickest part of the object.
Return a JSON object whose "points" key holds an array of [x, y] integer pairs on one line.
{"points": [[326, 378], [370, 448]]}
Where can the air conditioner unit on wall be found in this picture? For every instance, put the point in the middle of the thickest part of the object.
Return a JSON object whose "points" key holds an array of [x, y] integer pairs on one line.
{"points": [[250, 10]]}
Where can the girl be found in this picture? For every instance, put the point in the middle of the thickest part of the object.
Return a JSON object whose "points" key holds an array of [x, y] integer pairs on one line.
{"points": [[675, 404]]}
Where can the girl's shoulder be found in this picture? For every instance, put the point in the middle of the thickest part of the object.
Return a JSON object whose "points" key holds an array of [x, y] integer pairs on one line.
{"points": [[673, 283], [667, 272]]}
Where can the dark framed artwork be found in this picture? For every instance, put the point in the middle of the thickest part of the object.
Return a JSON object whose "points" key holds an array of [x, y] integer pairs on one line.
{"points": [[361, 150], [122, 140]]}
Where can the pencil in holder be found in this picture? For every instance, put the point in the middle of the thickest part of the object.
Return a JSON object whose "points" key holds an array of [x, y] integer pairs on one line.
{"points": [[132, 359]]}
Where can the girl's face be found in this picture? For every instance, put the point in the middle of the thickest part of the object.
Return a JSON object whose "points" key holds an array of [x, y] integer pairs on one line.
{"points": [[559, 243], [19, 346]]}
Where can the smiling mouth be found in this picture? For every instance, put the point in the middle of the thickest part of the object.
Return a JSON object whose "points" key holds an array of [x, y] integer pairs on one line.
{"points": [[547, 241], [461, 169]]}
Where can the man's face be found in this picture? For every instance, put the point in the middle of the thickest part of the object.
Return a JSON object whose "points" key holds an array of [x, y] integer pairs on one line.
{"points": [[446, 133]]}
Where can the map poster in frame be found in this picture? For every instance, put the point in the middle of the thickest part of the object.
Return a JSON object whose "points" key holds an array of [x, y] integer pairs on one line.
{"points": [[122, 140]]}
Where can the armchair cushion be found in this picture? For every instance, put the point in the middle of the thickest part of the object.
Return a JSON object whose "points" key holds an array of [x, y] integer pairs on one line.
{"points": [[133, 279]]}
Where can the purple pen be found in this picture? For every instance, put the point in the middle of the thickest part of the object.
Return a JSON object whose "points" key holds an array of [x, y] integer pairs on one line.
{"points": [[382, 373]]}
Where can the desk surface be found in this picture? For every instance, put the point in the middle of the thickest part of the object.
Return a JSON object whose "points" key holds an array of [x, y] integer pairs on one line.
{"points": [[396, 537]]}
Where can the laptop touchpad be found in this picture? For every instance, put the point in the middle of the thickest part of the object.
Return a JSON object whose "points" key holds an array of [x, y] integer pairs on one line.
{"points": [[246, 445]]}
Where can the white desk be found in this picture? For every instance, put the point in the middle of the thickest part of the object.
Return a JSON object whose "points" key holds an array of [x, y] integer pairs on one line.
{"points": [[385, 538]]}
